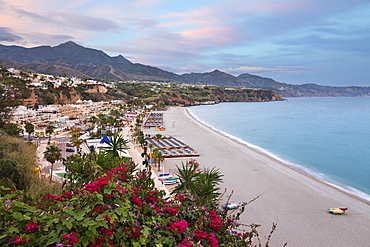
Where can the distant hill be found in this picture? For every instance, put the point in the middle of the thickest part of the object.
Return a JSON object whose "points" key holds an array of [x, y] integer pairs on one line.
{"points": [[72, 59]]}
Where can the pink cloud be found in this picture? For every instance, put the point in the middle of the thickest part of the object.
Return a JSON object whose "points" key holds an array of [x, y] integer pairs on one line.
{"points": [[210, 36], [281, 69]]}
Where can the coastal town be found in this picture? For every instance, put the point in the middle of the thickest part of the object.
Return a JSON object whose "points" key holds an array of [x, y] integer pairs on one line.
{"points": [[92, 120], [123, 203]]}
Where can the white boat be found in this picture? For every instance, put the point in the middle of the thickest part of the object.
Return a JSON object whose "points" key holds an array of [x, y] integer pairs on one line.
{"points": [[231, 205]]}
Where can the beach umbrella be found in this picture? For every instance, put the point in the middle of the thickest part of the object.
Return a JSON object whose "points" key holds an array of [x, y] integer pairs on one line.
{"points": [[105, 139]]}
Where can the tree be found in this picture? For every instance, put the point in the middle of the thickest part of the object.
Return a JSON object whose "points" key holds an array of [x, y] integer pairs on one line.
{"points": [[94, 120], [115, 112], [12, 91], [157, 157], [49, 130], [187, 175], [158, 137], [12, 129], [77, 143], [12, 174], [52, 154], [102, 120], [116, 145], [208, 182], [30, 128], [75, 134], [204, 186]]}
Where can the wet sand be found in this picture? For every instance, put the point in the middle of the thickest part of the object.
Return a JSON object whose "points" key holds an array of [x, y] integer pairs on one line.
{"points": [[296, 202]]}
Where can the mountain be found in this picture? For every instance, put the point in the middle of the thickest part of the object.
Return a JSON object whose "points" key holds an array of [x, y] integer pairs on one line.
{"points": [[215, 77], [72, 59], [305, 90]]}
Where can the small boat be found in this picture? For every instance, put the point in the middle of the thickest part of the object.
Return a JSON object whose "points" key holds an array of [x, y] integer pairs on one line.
{"points": [[231, 205], [337, 210]]}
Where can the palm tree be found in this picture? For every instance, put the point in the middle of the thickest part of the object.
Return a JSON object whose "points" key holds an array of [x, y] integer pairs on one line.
{"points": [[29, 129], [158, 137], [76, 142], [208, 186], [93, 120], [52, 154], [187, 176], [49, 130], [203, 186], [115, 112], [116, 145], [157, 157], [102, 120]]}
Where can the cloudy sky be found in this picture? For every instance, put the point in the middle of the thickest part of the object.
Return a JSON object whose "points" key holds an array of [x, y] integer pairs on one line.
{"points": [[294, 41]]}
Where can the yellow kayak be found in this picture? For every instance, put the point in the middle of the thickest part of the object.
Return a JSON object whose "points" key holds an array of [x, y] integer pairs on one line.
{"points": [[337, 210]]}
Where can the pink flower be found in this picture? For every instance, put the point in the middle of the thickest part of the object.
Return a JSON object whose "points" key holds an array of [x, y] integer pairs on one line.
{"points": [[213, 242], [185, 242], [179, 226], [199, 234], [171, 211], [31, 226], [19, 240]]}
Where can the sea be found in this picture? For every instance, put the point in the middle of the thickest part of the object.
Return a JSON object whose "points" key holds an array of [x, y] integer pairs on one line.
{"points": [[326, 138]]}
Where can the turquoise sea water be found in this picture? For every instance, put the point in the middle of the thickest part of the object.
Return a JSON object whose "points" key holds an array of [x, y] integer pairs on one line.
{"points": [[327, 138]]}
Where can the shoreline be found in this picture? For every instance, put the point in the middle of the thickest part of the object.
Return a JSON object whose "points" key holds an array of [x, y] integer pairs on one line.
{"points": [[272, 156], [296, 202]]}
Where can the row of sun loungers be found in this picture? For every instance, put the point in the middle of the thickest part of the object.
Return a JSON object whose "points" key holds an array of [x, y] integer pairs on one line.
{"points": [[155, 119], [172, 147]]}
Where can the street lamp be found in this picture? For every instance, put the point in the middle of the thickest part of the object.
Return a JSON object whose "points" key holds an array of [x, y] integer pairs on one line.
{"points": [[145, 155]]}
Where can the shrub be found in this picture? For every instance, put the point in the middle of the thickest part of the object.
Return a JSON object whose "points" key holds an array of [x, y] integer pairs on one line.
{"points": [[118, 209]]}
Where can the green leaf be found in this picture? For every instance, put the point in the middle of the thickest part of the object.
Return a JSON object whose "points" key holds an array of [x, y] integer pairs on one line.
{"points": [[93, 230], [88, 222], [20, 216], [59, 228], [13, 230], [69, 223], [53, 239], [99, 199], [85, 240], [79, 216]]}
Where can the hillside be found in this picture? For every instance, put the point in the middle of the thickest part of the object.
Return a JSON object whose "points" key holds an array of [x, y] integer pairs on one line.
{"points": [[72, 59]]}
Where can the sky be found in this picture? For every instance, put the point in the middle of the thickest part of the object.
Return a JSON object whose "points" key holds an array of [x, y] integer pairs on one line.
{"points": [[326, 42]]}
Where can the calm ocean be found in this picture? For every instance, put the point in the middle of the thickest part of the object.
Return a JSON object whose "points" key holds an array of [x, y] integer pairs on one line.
{"points": [[327, 138]]}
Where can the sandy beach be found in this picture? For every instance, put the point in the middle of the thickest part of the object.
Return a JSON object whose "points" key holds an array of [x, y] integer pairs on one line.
{"points": [[296, 202]]}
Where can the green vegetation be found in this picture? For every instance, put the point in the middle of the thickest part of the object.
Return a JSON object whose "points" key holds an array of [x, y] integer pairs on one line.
{"points": [[203, 185], [19, 167], [108, 202], [173, 94], [52, 154], [12, 91]]}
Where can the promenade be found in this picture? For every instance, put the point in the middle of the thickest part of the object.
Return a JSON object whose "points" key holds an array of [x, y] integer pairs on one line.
{"points": [[133, 151]]}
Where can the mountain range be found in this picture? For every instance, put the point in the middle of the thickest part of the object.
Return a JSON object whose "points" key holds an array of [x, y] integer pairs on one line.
{"points": [[71, 59]]}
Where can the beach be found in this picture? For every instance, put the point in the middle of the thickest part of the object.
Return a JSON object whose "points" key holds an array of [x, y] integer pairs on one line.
{"points": [[294, 201]]}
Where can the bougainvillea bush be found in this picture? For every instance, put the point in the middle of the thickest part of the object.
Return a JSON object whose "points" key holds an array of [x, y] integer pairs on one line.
{"points": [[120, 208]]}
